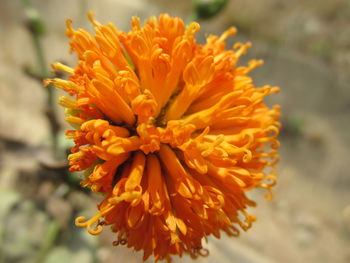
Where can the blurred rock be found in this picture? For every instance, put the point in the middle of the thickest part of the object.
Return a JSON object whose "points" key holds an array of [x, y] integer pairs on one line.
{"points": [[60, 254], [307, 228], [64, 254], [48, 161], [62, 190], [228, 250], [346, 216], [79, 200], [46, 190], [8, 199], [31, 226], [59, 209], [83, 255], [8, 178]]}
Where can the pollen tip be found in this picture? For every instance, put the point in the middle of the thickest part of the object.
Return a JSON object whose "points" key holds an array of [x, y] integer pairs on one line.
{"points": [[47, 82], [69, 30], [90, 15], [193, 28], [81, 221], [59, 66]]}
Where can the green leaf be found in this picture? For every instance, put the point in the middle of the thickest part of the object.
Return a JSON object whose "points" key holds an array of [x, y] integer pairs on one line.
{"points": [[205, 9]]}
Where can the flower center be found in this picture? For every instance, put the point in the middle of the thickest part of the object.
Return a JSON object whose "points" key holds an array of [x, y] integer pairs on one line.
{"points": [[176, 133], [150, 129]]}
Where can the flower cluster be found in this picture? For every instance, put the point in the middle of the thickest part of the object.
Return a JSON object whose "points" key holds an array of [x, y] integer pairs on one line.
{"points": [[171, 132]]}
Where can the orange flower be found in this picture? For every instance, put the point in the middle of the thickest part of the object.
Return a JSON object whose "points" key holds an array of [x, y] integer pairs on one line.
{"points": [[171, 132]]}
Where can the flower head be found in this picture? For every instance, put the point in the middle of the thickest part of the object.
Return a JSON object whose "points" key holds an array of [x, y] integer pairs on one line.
{"points": [[171, 132]]}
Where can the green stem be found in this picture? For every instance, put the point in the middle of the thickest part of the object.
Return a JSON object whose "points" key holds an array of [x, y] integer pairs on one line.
{"points": [[50, 96], [42, 64], [34, 22]]}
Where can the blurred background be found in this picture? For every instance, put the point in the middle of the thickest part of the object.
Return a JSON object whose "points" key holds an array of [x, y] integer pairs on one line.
{"points": [[306, 48]]}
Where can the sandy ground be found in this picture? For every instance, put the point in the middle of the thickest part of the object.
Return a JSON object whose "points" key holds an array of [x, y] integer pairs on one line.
{"points": [[305, 46]]}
